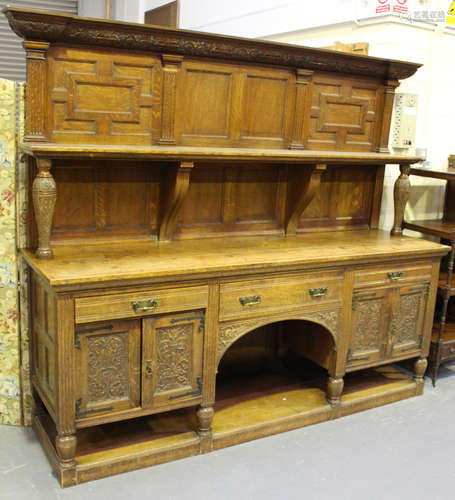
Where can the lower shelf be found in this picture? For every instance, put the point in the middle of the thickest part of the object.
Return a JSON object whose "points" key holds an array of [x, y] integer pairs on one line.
{"points": [[260, 407]]}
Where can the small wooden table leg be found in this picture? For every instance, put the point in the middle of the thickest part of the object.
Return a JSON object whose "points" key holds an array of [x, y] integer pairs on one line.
{"points": [[205, 417], [334, 390], [420, 367], [44, 192]]}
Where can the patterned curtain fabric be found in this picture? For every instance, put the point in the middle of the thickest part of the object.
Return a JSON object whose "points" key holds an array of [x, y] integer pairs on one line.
{"points": [[14, 384]]}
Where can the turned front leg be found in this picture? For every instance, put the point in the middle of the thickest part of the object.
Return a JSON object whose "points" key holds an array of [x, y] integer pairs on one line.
{"points": [[420, 367], [400, 198], [334, 390], [66, 448], [44, 193], [205, 417]]}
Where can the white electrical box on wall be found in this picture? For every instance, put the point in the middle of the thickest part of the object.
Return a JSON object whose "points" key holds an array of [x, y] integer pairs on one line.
{"points": [[404, 121]]}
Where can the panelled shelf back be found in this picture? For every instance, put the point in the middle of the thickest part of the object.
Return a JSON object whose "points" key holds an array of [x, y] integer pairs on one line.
{"points": [[189, 189]]}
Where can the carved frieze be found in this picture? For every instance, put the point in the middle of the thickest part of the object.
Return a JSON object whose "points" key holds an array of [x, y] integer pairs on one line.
{"points": [[69, 29]]}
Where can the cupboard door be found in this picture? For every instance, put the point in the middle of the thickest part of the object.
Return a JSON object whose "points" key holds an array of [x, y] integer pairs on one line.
{"points": [[369, 326], [172, 359], [108, 363], [408, 313]]}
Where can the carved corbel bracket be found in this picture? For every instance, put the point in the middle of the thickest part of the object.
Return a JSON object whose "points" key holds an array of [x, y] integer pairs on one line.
{"points": [[304, 199], [171, 66], [400, 198], [389, 93], [36, 90], [44, 193], [301, 108], [178, 188]]}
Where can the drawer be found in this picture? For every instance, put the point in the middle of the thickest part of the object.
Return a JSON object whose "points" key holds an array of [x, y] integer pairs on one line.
{"points": [[419, 271], [141, 303], [250, 298]]}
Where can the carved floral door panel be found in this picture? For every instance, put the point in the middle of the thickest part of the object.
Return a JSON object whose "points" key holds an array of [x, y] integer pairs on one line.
{"points": [[408, 307], [172, 358], [108, 367], [369, 326]]}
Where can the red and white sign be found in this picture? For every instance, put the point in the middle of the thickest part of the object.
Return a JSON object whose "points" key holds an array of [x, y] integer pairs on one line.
{"points": [[398, 6], [401, 6], [383, 6]]}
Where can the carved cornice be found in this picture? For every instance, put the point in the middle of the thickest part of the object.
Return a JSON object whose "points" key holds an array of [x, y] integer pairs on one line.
{"points": [[36, 25]]}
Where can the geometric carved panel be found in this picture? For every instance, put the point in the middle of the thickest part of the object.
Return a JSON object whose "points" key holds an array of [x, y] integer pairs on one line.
{"points": [[343, 114], [106, 99]]}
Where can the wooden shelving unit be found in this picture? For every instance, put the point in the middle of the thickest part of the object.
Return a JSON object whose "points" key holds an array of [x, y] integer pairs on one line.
{"points": [[443, 338]]}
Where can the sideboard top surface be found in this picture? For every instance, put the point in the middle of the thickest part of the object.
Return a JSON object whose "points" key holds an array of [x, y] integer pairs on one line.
{"points": [[92, 266], [182, 153], [63, 28]]}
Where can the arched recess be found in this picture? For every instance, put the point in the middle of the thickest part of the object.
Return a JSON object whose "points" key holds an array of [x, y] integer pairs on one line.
{"points": [[232, 331]]}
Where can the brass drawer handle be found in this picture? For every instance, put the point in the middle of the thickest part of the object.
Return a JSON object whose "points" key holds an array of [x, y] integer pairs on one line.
{"points": [[148, 368], [318, 292], [144, 305], [251, 300], [395, 275]]}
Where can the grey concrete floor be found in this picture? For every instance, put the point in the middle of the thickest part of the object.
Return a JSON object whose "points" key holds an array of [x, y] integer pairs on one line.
{"points": [[405, 450]]}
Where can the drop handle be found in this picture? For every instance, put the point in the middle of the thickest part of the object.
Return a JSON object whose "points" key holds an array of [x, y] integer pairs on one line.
{"points": [[395, 275], [148, 368], [318, 292], [144, 305], [250, 300]]}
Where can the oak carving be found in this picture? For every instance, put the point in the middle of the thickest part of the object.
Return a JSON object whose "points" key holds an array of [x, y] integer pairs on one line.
{"points": [[400, 198], [44, 193]]}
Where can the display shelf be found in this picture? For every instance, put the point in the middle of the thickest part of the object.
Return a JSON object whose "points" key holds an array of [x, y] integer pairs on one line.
{"points": [[444, 173], [181, 153], [435, 227], [442, 285]]}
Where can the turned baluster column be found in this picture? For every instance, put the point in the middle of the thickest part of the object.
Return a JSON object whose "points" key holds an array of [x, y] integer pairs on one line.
{"points": [[400, 198], [44, 193], [334, 390], [205, 417]]}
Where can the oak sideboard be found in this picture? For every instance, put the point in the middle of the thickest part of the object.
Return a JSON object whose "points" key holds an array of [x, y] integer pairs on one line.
{"points": [[205, 261]]}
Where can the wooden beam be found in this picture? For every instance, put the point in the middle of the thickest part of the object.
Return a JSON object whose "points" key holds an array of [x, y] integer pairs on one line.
{"points": [[304, 199], [179, 184]]}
